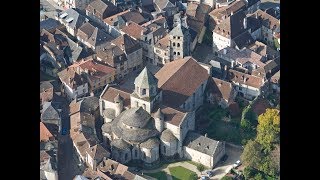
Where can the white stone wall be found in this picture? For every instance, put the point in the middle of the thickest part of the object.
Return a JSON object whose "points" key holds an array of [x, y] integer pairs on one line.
{"points": [[135, 59], [209, 2], [151, 155], [196, 100], [51, 175], [160, 53], [220, 42], [174, 129], [248, 91], [135, 102], [197, 156]]}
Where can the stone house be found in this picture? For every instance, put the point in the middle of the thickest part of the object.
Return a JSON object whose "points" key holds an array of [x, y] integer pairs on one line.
{"points": [[115, 57], [79, 4], [99, 10], [97, 74], [75, 85], [95, 155], [224, 33], [93, 37], [202, 149], [263, 26], [267, 52], [247, 86], [132, 50], [220, 92], [224, 9], [162, 51], [72, 19]]}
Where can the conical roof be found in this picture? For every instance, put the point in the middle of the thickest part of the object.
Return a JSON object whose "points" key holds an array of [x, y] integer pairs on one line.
{"points": [[145, 79]]}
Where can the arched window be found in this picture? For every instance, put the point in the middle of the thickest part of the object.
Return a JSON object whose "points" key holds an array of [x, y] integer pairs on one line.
{"points": [[164, 149], [144, 91], [126, 156], [178, 53], [178, 44], [174, 44], [174, 53]]}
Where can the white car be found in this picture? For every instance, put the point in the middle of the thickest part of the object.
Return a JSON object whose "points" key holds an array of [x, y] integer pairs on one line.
{"points": [[236, 164]]}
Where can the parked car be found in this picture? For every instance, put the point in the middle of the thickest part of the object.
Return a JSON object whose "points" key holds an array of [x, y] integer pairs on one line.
{"points": [[64, 131], [236, 164], [204, 177], [210, 173]]}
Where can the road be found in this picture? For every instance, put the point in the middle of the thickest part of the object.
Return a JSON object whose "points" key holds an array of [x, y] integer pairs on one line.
{"points": [[222, 169]]}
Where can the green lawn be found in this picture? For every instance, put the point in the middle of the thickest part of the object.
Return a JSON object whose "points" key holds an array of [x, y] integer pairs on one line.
{"points": [[181, 173], [196, 164], [157, 175]]}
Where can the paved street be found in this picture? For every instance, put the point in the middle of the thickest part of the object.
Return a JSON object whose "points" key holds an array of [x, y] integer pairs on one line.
{"points": [[233, 155]]}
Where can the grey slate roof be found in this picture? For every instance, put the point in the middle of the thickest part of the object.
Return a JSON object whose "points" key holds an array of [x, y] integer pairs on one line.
{"points": [[109, 113], [200, 143], [96, 36], [179, 30], [89, 104], [78, 19], [49, 112], [162, 4], [167, 136], [150, 143], [45, 86], [120, 144], [243, 40], [106, 127], [49, 24], [135, 117], [145, 79]]}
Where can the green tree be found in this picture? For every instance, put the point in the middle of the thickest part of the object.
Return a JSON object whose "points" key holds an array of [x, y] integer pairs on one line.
{"points": [[252, 155], [258, 176], [200, 167], [249, 172], [268, 130]]}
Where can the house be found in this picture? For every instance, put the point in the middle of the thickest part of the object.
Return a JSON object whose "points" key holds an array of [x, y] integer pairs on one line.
{"points": [[115, 57], [75, 85], [275, 82], [197, 16], [48, 166], [224, 33], [162, 51], [148, 35], [92, 36], [79, 4], [72, 19], [202, 149], [220, 92], [223, 10], [179, 91], [132, 50], [46, 92], [95, 155], [270, 68], [50, 25], [51, 114], [247, 86], [98, 75], [263, 26], [244, 58], [99, 10], [119, 20], [267, 52], [252, 6], [165, 8], [45, 134]]}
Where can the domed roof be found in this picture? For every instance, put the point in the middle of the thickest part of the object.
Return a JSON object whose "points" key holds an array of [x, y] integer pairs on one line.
{"points": [[134, 125], [120, 144], [167, 136], [106, 128], [135, 117], [109, 113], [150, 143]]}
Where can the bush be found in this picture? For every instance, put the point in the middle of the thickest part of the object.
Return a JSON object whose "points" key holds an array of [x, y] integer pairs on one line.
{"points": [[258, 176], [249, 172], [200, 167], [226, 178]]}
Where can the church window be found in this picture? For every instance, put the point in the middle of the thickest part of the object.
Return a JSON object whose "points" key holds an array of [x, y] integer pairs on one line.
{"points": [[174, 53], [136, 153], [174, 37], [126, 156], [178, 37], [178, 53], [144, 91], [178, 44], [174, 44], [164, 149]]}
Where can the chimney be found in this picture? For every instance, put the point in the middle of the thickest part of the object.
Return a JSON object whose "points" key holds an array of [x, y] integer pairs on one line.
{"points": [[205, 135], [127, 23], [231, 13], [245, 23]]}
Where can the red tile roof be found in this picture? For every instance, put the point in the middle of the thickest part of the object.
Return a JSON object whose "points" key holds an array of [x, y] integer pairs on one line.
{"points": [[113, 91], [260, 106], [242, 78], [45, 134], [180, 79], [133, 29]]}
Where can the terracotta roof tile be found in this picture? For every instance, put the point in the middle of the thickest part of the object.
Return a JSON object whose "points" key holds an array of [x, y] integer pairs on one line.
{"points": [[163, 43], [180, 79], [172, 116], [220, 88], [260, 106], [133, 29], [242, 78], [113, 91], [45, 134]]}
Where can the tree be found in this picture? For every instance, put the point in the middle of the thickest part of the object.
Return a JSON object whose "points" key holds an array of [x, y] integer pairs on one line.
{"points": [[200, 167], [252, 155], [268, 129], [258, 176], [249, 172]]}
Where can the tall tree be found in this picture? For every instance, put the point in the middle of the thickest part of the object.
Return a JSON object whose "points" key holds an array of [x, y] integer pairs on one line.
{"points": [[252, 155], [268, 130]]}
